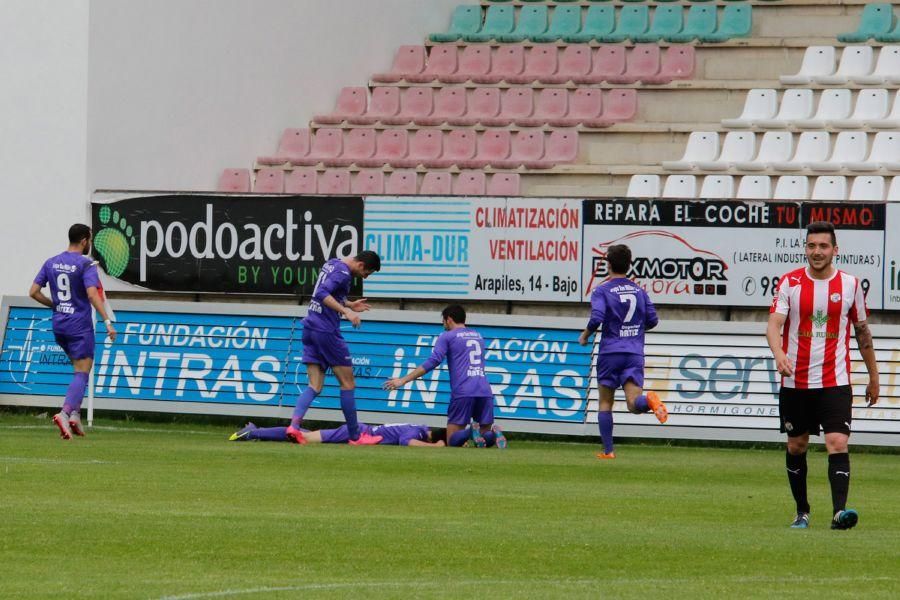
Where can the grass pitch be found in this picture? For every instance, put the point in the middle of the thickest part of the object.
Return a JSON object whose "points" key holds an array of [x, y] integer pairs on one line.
{"points": [[140, 510]]}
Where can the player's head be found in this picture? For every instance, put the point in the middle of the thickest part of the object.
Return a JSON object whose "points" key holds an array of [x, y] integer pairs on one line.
{"points": [[436, 434], [619, 258], [453, 315], [365, 263], [80, 237], [821, 245]]}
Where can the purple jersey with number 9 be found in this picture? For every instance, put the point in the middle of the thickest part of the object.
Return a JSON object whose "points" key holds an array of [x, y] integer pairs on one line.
{"points": [[625, 312], [464, 349], [69, 275]]}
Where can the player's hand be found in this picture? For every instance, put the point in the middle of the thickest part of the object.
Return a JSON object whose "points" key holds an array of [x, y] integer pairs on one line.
{"points": [[583, 338], [359, 305], [393, 384], [354, 318], [440, 443], [872, 392], [111, 332], [784, 365]]}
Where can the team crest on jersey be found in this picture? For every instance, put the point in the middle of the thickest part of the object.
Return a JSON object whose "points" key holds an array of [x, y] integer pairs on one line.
{"points": [[820, 319], [835, 297]]}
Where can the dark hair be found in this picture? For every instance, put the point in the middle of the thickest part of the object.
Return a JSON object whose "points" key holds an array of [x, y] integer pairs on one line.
{"points": [[438, 434], [619, 258], [79, 232], [371, 260], [455, 312], [822, 227]]}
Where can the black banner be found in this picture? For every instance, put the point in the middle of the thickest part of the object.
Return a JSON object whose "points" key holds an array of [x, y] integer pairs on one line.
{"points": [[254, 245]]}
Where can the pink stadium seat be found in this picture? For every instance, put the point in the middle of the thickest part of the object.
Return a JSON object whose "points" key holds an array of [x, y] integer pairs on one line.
{"points": [[414, 102], [516, 103], [475, 61], [436, 184], [442, 61], [294, 144], [301, 181], [677, 63], [484, 104], [368, 181], [552, 103], [574, 64], [408, 60], [527, 148], [392, 145], [359, 144], [620, 106], [469, 183], [334, 181], [425, 145], [402, 183], [351, 102], [540, 62], [459, 145], [493, 145], [609, 61], [508, 61], [385, 103], [326, 144], [504, 184], [234, 180], [449, 103], [561, 147], [585, 105], [643, 61], [269, 181]]}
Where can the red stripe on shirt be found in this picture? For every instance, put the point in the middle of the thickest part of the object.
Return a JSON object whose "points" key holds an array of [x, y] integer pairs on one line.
{"points": [[804, 332], [832, 330]]}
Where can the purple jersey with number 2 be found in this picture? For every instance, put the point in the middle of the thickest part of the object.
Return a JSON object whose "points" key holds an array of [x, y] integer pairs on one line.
{"points": [[625, 312], [464, 349], [334, 280], [70, 274]]}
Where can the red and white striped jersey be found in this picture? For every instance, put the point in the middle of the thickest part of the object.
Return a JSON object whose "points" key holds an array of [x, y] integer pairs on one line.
{"points": [[816, 335]]}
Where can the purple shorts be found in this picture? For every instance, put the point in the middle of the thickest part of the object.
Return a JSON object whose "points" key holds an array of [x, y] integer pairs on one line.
{"points": [[613, 370], [76, 346], [326, 349], [462, 410], [341, 435]]}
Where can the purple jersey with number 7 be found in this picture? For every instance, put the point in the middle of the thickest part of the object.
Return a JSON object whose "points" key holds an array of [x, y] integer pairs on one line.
{"points": [[464, 349], [70, 274], [334, 280], [625, 312]]}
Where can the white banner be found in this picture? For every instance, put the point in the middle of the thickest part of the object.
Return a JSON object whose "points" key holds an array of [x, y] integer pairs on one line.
{"points": [[892, 259]]}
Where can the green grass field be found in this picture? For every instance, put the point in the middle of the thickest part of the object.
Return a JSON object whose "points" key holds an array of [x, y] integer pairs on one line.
{"points": [[143, 510]]}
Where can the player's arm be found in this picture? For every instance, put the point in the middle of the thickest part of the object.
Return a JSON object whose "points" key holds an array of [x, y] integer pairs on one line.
{"points": [[340, 309], [36, 293], [437, 444], [359, 306], [437, 355], [651, 319], [95, 300], [773, 335], [867, 350], [598, 313]]}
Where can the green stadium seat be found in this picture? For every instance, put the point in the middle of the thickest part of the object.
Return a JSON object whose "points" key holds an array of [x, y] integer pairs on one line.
{"points": [[877, 19], [737, 21], [600, 20], [701, 20], [633, 20], [466, 19], [667, 20], [566, 21], [633, 0], [499, 20], [532, 22], [892, 36]]}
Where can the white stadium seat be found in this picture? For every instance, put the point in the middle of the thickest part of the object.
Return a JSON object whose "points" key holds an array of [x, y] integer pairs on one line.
{"points": [[680, 186], [643, 186], [833, 105], [855, 61], [817, 60], [755, 187], [760, 104], [791, 187], [795, 104], [701, 146], [830, 188], [869, 189]]}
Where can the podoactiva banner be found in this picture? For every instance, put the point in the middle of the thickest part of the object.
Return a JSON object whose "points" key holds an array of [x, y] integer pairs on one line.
{"points": [[197, 243]]}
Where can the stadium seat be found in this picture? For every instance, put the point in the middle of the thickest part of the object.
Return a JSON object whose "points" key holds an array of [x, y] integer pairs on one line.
{"points": [[677, 63], [884, 154], [294, 144], [327, 143], [540, 61], [871, 105], [459, 145], [566, 21], [358, 144], [436, 184], [483, 105], [469, 183], [833, 104], [503, 184], [599, 21], [855, 61], [269, 181], [442, 61], [643, 61], [515, 103], [633, 20], [813, 146], [736, 22], [701, 20], [449, 103], [385, 103], [498, 20], [776, 146], [574, 64], [832, 187], [351, 102], [401, 182], [643, 186], [667, 20], [301, 181], [508, 61], [702, 146], [608, 61], [527, 148], [551, 104], [867, 189], [392, 145], [877, 19], [409, 60], [367, 181], [426, 145], [532, 22], [760, 104], [791, 187], [738, 146], [892, 121], [795, 104], [415, 103], [334, 181], [475, 61], [585, 106], [619, 106], [466, 19], [717, 186], [849, 147], [887, 68], [754, 187], [680, 186], [493, 146], [560, 147], [893, 193], [817, 60]]}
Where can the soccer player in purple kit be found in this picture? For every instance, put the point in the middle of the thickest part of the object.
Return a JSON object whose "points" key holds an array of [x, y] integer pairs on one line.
{"points": [[324, 346], [471, 396], [73, 280], [391, 434], [625, 312]]}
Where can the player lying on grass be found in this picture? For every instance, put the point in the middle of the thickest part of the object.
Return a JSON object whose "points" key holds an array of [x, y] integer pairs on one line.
{"points": [[393, 434]]}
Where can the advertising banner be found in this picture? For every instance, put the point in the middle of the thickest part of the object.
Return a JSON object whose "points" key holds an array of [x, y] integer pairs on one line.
{"points": [[892, 259]]}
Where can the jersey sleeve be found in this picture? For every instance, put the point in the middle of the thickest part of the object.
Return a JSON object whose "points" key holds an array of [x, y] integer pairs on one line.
{"points": [[651, 319], [858, 310], [41, 278], [598, 310], [91, 276], [781, 302], [331, 284], [437, 355]]}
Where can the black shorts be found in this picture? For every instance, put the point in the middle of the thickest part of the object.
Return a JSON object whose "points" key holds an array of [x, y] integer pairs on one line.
{"points": [[805, 411]]}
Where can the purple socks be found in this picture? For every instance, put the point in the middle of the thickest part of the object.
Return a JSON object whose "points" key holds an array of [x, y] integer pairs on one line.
{"points": [[269, 434], [348, 407], [303, 402], [75, 393], [605, 421], [640, 403], [459, 438]]}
